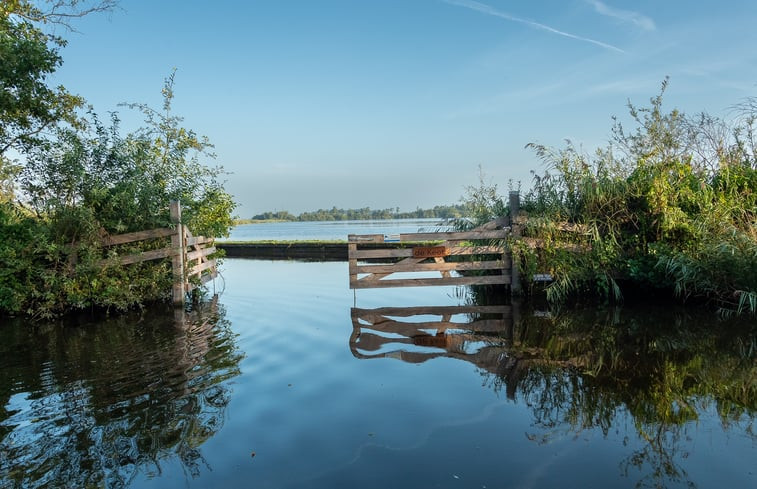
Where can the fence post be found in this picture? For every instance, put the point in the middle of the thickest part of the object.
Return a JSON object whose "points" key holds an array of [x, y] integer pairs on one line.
{"points": [[515, 286], [177, 261]]}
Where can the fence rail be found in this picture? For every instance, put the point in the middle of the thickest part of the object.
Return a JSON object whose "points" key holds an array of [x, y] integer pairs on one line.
{"points": [[398, 332], [449, 253], [191, 269], [475, 257]]}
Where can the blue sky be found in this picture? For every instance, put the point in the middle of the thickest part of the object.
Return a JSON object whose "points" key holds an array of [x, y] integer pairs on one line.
{"points": [[396, 103]]}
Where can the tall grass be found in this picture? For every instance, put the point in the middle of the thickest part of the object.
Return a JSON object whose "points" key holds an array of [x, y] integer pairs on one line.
{"points": [[669, 205]]}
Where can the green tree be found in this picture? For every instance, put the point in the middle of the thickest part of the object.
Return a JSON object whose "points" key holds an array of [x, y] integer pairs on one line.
{"points": [[126, 184], [28, 56], [87, 184]]}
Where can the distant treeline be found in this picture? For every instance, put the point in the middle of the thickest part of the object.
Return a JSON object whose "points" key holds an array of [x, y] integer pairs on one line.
{"points": [[335, 214]]}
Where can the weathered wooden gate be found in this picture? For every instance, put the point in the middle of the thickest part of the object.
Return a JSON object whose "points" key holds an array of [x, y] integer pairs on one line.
{"points": [[475, 257], [417, 334]]}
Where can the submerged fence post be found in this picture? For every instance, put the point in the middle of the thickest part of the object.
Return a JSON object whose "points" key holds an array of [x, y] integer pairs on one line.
{"points": [[177, 261], [515, 286]]}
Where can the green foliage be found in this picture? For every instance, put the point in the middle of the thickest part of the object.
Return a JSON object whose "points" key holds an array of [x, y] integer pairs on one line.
{"points": [[28, 105], [19, 237], [88, 184], [82, 181], [480, 204], [669, 205], [365, 213], [275, 216]]}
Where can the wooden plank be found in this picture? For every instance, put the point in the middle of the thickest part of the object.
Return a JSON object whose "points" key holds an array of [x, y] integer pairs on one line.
{"points": [[423, 282], [177, 262], [198, 269], [198, 240], [194, 255], [402, 327], [454, 236], [139, 257], [377, 274], [431, 310], [408, 252], [365, 238], [137, 236], [431, 267], [499, 223], [208, 277], [430, 251], [203, 280]]}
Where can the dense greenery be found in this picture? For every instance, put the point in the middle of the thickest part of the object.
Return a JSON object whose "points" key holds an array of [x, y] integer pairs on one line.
{"points": [[669, 206], [76, 180], [480, 204], [366, 213]]}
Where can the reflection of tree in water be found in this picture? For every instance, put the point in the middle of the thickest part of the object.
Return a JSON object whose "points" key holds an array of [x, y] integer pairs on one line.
{"points": [[94, 405], [661, 369]]}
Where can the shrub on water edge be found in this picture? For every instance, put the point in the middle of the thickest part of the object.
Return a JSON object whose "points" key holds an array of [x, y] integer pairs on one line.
{"points": [[86, 185], [659, 208], [20, 235]]}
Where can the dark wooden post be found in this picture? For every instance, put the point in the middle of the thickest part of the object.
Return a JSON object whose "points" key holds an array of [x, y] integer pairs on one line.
{"points": [[177, 261], [515, 286], [351, 253]]}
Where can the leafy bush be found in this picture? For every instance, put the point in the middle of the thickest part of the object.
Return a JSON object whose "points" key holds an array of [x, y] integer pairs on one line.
{"points": [[672, 204], [86, 185]]}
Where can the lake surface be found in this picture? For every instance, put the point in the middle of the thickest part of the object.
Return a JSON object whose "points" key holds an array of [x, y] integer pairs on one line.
{"points": [[291, 380], [331, 230]]}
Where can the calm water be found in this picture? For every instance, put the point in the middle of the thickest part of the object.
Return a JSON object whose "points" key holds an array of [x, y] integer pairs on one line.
{"points": [[331, 230], [289, 380]]}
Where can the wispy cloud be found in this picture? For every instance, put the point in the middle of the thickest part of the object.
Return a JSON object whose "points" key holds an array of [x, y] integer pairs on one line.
{"points": [[488, 10], [636, 18]]}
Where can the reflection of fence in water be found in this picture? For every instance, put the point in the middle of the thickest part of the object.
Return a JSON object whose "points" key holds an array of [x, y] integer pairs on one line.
{"points": [[479, 338]]}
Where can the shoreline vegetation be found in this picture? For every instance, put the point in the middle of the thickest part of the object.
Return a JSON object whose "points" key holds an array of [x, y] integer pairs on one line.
{"points": [[668, 207], [362, 214], [69, 181]]}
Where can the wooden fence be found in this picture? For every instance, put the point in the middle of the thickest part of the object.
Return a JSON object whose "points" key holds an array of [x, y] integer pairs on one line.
{"points": [[443, 258], [456, 253], [398, 332], [189, 254]]}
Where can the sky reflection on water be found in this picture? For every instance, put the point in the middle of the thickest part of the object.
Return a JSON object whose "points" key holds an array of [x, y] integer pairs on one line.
{"points": [[286, 372], [331, 230]]}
